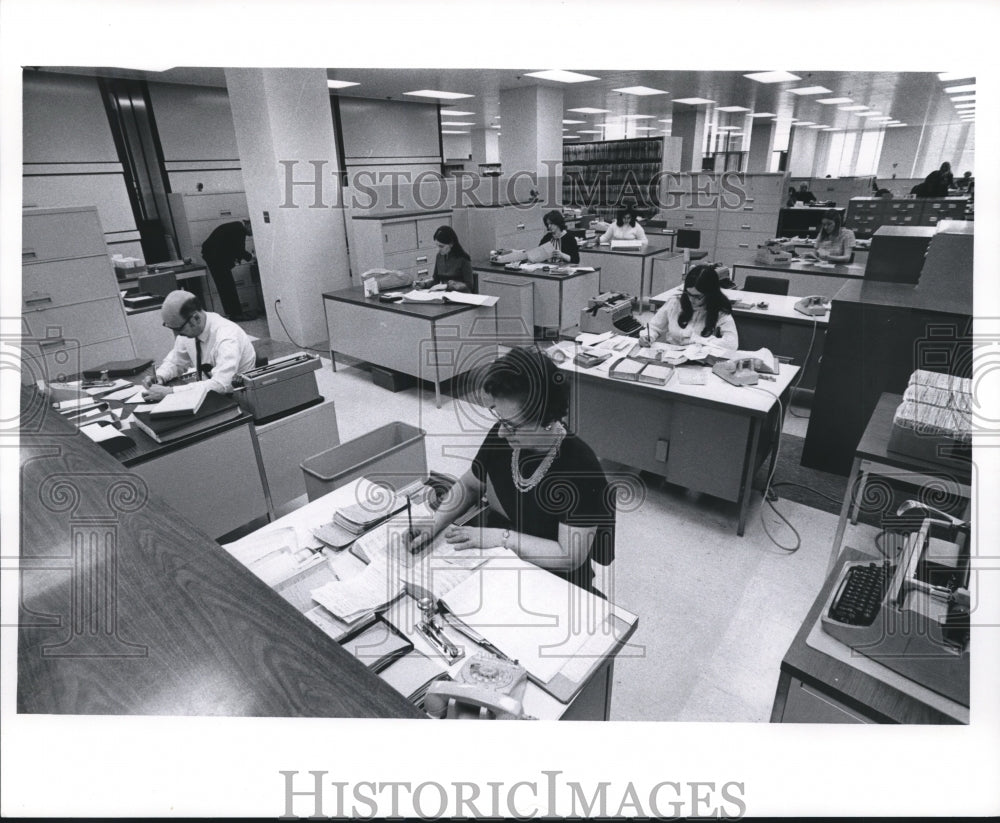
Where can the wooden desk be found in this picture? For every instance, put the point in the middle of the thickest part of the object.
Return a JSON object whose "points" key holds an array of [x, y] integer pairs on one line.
{"points": [[428, 341], [779, 328], [803, 278], [557, 298], [626, 270], [593, 700], [873, 458], [709, 438], [127, 609], [815, 687]]}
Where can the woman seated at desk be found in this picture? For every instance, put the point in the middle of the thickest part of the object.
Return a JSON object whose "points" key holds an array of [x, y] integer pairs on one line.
{"points": [[452, 266], [700, 313], [834, 243], [549, 500], [624, 228], [564, 247]]}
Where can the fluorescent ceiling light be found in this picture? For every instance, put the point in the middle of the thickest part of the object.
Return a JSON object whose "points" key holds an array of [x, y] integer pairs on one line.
{"points": [[446, 131], [495, 126], [894, 125], [587, 110], [728, 128], [829, 101], [958, 89], [571, 137], [869, 113], [817, 126], [573, 122], [809, 90], [340, 84], [764, 114], [458, 123], [853, 108], [692, 101], [457, 113], [642, 91], [772, 76], [438, 95], [664, 121], [963, 98], [731, 108], [639, 116], [803, 123], [954, 75], [589, 131], [560, 76], [645, 128], [965, 106]]}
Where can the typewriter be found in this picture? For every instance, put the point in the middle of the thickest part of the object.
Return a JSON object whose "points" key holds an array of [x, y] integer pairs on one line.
{"points": [[610, 311]]}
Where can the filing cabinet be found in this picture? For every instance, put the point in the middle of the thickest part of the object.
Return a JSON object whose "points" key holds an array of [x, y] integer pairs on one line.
{"points": [[398, 242], [483, 229], [70, 306]]}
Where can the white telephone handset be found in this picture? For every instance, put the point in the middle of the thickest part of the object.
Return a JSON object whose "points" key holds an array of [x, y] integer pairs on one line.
{"points": [[485, 683]]}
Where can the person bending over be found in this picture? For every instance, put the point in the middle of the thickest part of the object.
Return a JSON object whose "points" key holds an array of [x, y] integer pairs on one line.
{"points": [[549, 500], [701, 313]]}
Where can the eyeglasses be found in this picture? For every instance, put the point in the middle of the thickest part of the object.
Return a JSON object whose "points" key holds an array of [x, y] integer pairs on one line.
{"points": [[182, 326], [505, 424]]}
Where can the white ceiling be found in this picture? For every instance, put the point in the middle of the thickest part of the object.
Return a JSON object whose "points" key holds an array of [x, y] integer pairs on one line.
{"points": [[915, 98]]}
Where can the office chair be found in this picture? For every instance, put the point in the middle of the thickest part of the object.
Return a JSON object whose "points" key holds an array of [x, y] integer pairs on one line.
{"points": [[159, 284], [765, 285]]}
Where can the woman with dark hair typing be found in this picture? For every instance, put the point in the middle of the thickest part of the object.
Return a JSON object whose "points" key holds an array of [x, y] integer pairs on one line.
{"points": [[700, 313], [564, 246], [549, 500]]}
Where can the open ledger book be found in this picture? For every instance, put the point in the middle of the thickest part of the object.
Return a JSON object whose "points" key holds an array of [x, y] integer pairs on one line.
{"points": [[418, 296]]}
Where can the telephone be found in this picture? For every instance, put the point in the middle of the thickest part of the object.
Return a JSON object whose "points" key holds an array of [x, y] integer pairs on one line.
{"points": [[813, 305], [486, 686], [738, 372]]}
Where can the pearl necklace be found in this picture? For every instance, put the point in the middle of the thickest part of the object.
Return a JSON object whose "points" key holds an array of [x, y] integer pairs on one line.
{"points": [[528, 484]]}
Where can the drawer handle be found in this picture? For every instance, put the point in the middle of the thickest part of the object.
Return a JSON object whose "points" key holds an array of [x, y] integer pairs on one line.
{"points": [[751, 199], [745, 226], [52, 341], [748, 208], [28, 254], [519, 226], [422, 259], [423, 271], [42, 298], [225, 212], [744, 245]]}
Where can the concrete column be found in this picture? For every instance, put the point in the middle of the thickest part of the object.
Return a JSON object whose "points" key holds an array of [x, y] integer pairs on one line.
{"points": [[689, 124], [761, 146], [485, 147], [284, 132], [531, 136]]}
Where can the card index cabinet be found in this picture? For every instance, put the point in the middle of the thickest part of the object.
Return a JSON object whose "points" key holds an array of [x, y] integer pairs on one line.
{"points": [[71, 309]]}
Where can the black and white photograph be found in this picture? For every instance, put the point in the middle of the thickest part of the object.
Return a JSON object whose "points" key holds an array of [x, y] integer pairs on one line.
{"points": [[378, 375]]}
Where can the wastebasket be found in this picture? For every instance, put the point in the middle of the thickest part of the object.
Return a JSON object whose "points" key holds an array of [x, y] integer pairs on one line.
{"points": [[394, 454]]}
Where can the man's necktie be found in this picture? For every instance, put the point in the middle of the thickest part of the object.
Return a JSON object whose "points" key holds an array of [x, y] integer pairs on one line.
{"points": [[197, 354]]}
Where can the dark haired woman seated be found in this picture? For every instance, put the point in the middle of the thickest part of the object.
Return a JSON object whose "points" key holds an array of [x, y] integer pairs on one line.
{"points": [[564, 245], [452, 266], [700, 313], [549, 500]]}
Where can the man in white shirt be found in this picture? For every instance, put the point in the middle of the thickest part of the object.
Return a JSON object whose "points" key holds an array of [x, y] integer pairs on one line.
{"points": [[203, 339]]}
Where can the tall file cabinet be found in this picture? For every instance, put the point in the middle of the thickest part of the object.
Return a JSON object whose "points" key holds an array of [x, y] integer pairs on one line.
{"points": [[482, 229], [403, 241], [195, 217], [71, 309], [745, 225]]}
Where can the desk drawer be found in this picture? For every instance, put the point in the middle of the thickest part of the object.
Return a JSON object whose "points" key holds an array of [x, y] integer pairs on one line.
{"points": [[904, 206], [224, 206], [86, 323], [60, 235], [866, 206], [747, 222], [410, 260], [66, 282]]}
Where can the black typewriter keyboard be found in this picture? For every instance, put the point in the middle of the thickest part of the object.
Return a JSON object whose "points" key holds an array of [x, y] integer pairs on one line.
{"points": [[859, 599], [628, 326]]}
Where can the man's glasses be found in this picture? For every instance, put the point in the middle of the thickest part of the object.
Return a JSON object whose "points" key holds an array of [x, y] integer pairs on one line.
{"points": [[182, 326]]}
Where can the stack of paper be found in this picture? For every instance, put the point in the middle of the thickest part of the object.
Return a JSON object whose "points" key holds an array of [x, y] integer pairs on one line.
{"points": [[351, 599], [626, 369], [656, 374]]}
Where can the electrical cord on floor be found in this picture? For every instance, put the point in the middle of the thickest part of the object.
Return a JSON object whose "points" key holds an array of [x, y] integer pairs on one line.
{"points": [[288, 334], [807, 488], [769, 497], [802, 371]]}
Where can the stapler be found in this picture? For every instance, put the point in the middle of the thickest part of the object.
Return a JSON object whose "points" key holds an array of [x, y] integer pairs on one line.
{"points": [[738, 372]]}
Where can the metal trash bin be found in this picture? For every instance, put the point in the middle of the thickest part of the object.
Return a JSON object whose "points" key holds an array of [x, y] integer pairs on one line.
{"points": [[394, 454]]}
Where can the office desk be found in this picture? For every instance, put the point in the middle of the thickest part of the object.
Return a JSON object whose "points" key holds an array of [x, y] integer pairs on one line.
{"points": [[709, 438], [593, 700], [803, 278], [127, 609], [428, 341], [779, 328], [626, 270], [817, 687], [186, 274], [860, 252], [873, 458], [556, 298]]}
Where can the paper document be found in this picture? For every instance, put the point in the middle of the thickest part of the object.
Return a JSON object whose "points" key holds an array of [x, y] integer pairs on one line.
{"points": [[125, 395], [418, 296], [693, 375], [183, 402], [529, 614], [370, 589], [588, 339], [116, 385]]}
